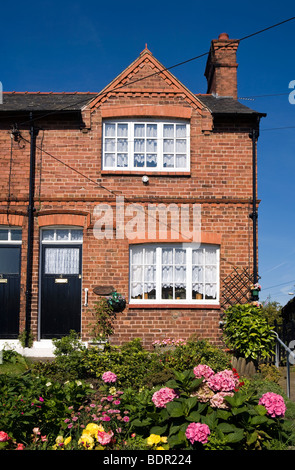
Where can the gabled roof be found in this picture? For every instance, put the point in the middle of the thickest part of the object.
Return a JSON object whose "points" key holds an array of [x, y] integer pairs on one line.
{"points": [[130, 80]]}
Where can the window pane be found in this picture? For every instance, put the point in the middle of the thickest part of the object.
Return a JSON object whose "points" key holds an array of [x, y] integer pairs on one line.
{"points": [[16, 234], [168, 130], [139, 130], [62, 234], [136, 290], [151, 130], [122, 160], [151, 160], [180, 146], [168, 161], [180, 130], [139, 145], [180, 161], [168, 146], [109, 145], [61, 261], [110, 130], [109, 159], [4, 234], [77, 234], [9, 260], [138, 159], [122, 145], [151, 146], [48, 235], [122, 130]]}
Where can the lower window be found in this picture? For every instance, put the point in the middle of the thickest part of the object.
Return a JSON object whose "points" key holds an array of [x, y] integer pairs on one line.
{"points": [[174, 273]]}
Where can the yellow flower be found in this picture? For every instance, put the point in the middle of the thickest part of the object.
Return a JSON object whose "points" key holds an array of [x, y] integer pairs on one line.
{"points": [[153, 439], [92, 429], [160, 448], [67, 440], [87, 441], [112, 390], [164, 439]]}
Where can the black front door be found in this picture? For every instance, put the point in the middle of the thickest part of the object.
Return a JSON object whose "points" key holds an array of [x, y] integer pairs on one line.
{"points": [[60, 290], [9, 291]]}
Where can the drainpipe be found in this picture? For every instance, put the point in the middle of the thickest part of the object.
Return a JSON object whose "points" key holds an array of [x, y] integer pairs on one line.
{"points": [[254, 215], [33, 134]]}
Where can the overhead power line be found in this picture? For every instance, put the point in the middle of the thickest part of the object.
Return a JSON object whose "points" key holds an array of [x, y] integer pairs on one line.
{"points": [[102, 93]]}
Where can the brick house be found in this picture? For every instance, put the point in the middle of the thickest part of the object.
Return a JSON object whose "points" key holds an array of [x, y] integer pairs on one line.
{"points": [[84, 178]]}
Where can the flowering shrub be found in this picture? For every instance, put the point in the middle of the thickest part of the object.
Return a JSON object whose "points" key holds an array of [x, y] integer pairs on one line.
{"points": [[201, 408]]}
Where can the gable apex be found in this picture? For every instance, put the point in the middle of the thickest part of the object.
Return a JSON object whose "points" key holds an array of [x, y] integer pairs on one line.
{"points": [[146, 75]]}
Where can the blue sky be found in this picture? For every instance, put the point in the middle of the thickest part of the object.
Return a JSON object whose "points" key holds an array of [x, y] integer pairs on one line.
{"points": [[82, 46]]}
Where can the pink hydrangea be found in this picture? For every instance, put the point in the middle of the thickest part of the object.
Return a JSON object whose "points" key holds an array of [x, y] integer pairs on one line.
{"points": [[224, 381], [109, 377], [163, 396], [274, 404], [217, 401], [197, 432], [203, 371]]}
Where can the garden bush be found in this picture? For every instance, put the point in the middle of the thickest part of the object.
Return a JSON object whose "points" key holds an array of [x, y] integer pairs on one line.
{"points": [[247, 332], [28, 402]]}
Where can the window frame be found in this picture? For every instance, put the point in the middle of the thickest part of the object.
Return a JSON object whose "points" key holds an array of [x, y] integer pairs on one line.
{"points": [[56, 241], [9, 240], [131, 122], [189, 300]]}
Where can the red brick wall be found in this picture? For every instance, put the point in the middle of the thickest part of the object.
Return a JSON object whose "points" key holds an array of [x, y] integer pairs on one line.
{"points": [[220, 179]]}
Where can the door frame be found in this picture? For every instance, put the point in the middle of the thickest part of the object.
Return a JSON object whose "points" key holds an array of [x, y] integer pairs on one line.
{"points": [[8, 243], [57, 243]]}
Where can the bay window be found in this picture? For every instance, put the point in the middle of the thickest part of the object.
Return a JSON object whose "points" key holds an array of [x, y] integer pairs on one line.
{"points": [[146, 145], [174, 273]]}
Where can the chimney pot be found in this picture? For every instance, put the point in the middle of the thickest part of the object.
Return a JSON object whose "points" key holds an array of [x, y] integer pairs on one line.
{"points": [[223, 37]]}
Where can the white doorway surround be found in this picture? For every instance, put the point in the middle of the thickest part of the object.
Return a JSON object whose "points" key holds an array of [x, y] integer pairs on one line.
{"points": [[40, 349]]}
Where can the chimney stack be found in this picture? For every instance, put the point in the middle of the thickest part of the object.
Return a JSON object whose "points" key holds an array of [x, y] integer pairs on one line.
{"points": [[221, 67]]}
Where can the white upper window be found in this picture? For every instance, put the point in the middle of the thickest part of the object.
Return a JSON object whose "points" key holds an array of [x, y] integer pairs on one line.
{"points": [[10, 235], [172, 273], [146, 145]]}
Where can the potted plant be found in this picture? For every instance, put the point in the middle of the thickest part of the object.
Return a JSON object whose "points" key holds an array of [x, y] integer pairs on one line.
{"points": [[103, 325], [116, 301], [255, 289]]}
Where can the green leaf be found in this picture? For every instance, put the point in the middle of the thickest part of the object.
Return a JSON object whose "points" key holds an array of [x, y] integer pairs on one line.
{"points": [[159, 430], [190, 403], [175, 409], [259, 420], [252, 438], [236, 436], [226, 427], [194, 416]]}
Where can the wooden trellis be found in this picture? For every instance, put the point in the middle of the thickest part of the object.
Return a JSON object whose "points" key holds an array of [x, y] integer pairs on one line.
{"points": [[236, 288]]}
